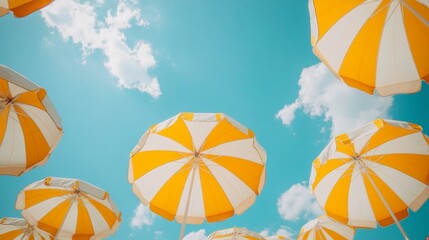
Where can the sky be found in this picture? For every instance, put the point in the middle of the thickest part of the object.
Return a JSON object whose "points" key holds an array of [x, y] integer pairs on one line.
{"points": [[115, 68]]}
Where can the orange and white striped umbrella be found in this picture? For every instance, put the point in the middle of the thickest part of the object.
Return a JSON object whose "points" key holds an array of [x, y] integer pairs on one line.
{"points": [[198, 166], [30, 127], [22, 8], [373, 44], [69, 209], [373, 174], [20, 229], [325, 228], [235, 234]]}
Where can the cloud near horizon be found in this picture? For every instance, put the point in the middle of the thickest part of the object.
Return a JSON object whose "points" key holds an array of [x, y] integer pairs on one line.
{"points": [[284, 231], [198, 235], [79, 23], [321, 94], [298, 203], [142, 217]]}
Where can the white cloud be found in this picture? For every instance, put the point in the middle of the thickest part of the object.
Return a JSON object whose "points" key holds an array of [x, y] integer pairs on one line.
{"points": [[199, 235], [323, 95], [298, 203], [78, 22], [142, 217], [284, 231]]}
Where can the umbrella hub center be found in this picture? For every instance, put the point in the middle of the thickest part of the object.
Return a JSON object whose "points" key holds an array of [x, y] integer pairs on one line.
{"points": [[362, 166], [4, 101]]}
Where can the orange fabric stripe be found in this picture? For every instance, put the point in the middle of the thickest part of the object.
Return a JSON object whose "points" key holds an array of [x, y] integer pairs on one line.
{"points": [[249, 172], [36, 196], [418, 36], [30, 98], [53, 220], [144, 162], [337, 203], [11, 234], [30, 7], [216, 203], [394, 202], [84, 226], [4, 88], [328, 167], [414, 165], [305, 236], [360, 61], [328, 12], [4, 117], [179, 132], [345, 145], [36, 146], [385, 134], [168, 198], [334, 235], [224, 132], [106, 212]]}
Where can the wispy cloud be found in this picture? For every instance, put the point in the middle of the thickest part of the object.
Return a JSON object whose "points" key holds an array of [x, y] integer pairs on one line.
{"points": [[142, 217], [323, 95], [79, 23], [298, 203], [198, 235], [284, 231]]}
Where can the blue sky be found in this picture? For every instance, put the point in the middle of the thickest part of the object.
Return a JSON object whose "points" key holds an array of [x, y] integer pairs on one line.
{"points": [[114, 68]]}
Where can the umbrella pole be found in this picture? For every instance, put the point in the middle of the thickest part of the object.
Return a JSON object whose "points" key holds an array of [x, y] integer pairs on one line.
{"points": [[182, 230], [388, 208]]}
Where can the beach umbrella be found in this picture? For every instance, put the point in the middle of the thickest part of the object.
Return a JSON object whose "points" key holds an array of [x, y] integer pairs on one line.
{"points": [[20, 229], [22, 8], [30, 127], [69, 209], [323, 228], [373, 44], [373, 173], [235, 234], [197, 166], [278, 237]]}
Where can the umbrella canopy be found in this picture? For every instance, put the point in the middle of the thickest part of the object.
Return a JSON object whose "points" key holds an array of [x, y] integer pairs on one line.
{"points": [[373, 173], [198, 166], [373, 45], [30, 127], [20, 229], [69, 209], [278, 237], [324, 228], [22, 8], [235, 234]]}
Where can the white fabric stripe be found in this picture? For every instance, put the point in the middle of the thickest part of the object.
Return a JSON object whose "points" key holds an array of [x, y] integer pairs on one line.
{"points": [[395, 62], [43, 122], [16, 78], [159, 142], [360, 211], [313, 21], [424, 2], [15, 90], [337, 40], [165, 124], [236, 190], [204, 117], [99, 224], [150, 183], [52, 111], [196, 206], [12, 149], [337, 227], [243, 149], [199, 132], [406, 187], [325, 186], [330, 152], [408, 144], [38, 211], [360, 138], [325, 234], [69, 224]]}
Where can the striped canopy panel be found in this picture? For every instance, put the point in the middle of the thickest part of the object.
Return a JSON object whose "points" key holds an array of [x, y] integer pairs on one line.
{"points": [[324, 228], [19, 229], [373, 44], [69, 209], [22, 8], [30, 127], [235, 234], [382, 158], [211, 152]]}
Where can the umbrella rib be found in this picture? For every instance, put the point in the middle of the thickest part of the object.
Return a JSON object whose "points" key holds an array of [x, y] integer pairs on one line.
{"points": [[417, 14]]}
